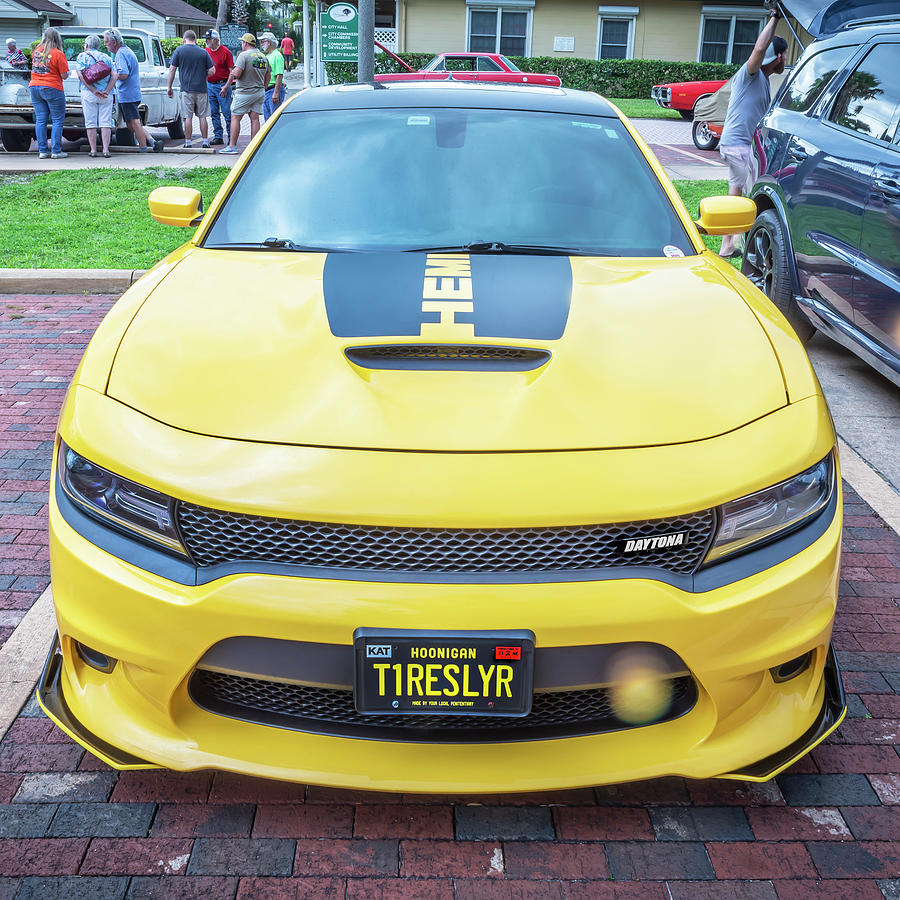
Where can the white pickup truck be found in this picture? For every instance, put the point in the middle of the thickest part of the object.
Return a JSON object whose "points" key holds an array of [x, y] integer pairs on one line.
{"points": [[156, 108]]}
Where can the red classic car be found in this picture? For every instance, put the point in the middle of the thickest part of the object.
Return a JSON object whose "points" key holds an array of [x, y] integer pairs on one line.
{"points": [[682, 95], [468, 67]]}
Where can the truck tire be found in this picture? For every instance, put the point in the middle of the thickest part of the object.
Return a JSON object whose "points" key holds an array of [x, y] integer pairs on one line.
{"points": [[176, 130], [124, 138], [704, 139], [16, 140]]}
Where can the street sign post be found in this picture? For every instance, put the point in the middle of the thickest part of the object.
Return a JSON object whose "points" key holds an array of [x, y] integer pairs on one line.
{"points": [[340, 33]]}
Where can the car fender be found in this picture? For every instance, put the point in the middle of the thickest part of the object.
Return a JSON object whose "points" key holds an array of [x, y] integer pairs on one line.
{"points": [[767, 195]]}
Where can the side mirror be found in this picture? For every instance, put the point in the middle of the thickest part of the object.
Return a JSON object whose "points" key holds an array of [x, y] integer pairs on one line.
{"points": [[726, 215], [176, 206]]}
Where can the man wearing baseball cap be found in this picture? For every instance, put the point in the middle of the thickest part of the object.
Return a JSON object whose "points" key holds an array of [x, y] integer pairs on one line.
{"points": [[275, 88], [750, 96], [219, 106], [250, 76]]}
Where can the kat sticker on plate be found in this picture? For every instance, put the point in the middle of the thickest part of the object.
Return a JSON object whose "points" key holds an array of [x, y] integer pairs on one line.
{"points": [[672, 251]]}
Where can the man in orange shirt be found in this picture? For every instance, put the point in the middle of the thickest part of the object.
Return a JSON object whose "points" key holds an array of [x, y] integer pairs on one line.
{"points": [[48, 68]]}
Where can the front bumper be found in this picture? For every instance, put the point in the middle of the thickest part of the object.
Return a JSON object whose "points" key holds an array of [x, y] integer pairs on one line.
{"points": [[743, 725], [52, 700]]}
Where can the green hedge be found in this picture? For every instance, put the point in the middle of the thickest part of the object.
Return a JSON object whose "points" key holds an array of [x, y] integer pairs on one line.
{"points": [[610, 77], [169, 45]]}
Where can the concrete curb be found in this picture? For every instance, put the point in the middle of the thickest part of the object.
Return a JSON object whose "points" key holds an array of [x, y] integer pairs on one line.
{"points": [[22, 658], [67, 281]]}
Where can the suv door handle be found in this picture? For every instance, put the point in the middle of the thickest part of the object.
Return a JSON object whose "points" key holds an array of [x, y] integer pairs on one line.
{"points": [[798, 153], [888, 187]]}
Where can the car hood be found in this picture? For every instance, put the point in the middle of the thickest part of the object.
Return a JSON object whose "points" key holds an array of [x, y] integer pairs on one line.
{"points": [[254, 346]]}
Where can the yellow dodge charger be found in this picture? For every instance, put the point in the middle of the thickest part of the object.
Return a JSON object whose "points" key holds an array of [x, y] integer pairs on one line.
{"points": [[444, 457]]}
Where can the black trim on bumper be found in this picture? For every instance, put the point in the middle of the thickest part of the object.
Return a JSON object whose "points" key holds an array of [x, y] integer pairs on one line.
{"points": [[49, 691], [717, 575], [833, 708]]}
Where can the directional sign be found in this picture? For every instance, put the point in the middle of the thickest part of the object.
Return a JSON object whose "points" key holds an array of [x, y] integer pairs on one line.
{"points": [[340, 33], [230, 36]]}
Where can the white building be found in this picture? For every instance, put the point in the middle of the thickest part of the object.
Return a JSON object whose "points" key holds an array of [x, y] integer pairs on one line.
{"points": [[25, 20]]}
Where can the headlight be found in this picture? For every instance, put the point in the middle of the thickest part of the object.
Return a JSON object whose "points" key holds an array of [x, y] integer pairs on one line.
{"points": [[119, 502], [769, 513]]}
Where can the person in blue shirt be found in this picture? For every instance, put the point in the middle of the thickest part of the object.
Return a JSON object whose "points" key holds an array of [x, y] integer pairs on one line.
{"points": [[128, 88]]}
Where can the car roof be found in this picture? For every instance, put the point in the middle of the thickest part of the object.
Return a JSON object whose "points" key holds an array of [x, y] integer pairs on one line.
{"points": [[857, 35], [84, 30], [477, 95]]}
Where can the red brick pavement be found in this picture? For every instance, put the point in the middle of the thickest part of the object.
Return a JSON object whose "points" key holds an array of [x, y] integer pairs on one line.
{"points": [[829, 828]]}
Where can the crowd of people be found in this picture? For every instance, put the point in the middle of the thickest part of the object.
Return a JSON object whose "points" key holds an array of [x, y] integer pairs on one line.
{"points": [[214, 86]]}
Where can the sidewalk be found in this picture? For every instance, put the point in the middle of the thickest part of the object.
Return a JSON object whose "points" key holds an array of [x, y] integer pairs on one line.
{"points": [[70, 826]]}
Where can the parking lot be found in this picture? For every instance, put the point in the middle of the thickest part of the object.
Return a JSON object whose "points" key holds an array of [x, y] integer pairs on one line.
{"points": [[826, 829]]}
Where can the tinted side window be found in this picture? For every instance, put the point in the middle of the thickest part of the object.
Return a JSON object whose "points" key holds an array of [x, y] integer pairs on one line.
{"points": [[868, 100], [813, 77]]}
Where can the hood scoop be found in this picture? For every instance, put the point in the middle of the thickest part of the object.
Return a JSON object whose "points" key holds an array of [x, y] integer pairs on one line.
{"points": [[447, 357]]}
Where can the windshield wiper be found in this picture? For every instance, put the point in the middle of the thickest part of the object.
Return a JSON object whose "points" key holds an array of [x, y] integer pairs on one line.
{"points": [[272, 243], [500, 247]]}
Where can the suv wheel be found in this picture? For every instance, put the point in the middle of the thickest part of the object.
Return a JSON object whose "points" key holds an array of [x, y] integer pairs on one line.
{"points": [[765, 263], [704, 139]]}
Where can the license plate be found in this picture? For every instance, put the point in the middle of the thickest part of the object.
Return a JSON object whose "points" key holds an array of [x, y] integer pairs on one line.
{"points": [[485, 673]]}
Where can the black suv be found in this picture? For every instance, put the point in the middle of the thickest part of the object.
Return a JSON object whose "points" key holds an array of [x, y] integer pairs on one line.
{"points": [[825, 247]]}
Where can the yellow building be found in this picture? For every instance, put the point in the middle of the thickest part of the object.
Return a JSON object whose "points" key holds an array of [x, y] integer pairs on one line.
{"points": [[682, 30]]}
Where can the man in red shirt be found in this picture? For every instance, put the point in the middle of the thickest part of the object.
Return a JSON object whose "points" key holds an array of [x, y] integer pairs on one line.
{"points": [[287, 51], [218, 105]]}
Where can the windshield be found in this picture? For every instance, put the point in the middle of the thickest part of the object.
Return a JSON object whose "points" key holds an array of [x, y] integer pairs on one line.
{"points": [[404, 179], [73, 45]]}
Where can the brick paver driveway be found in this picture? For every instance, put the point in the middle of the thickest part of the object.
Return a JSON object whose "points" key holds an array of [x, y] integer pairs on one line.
{"points": [[828, 829]]}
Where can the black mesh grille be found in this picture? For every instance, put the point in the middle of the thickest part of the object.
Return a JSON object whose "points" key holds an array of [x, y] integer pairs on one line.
{"points": [[450, 356], [330, 711], [215, 536]]}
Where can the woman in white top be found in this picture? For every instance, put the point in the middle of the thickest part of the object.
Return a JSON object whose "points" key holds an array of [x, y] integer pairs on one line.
{"points": [[96, 96]]}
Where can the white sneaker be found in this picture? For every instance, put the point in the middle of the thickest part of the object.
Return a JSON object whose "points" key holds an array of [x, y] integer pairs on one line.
{"points": [[59, 155], [187, 144], [43, 155], [229, 149]]}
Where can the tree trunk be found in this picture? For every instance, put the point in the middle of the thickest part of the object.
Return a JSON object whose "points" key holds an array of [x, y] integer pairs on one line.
{"points": [[222, 14]]}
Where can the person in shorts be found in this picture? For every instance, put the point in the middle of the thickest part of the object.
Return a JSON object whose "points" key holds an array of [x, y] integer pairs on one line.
{"points": [[250, 76], [287, 51], [127, 83], [750, 97], [96, 96], [194, 66]]}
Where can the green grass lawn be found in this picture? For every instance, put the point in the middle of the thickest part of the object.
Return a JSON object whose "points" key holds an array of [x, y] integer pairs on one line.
{"points": [[92, 219], [644, 109], [99, 219], [692, 192]]}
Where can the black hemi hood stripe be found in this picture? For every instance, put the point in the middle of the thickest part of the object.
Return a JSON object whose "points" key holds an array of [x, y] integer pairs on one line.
{"points": [[447, 296]]}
